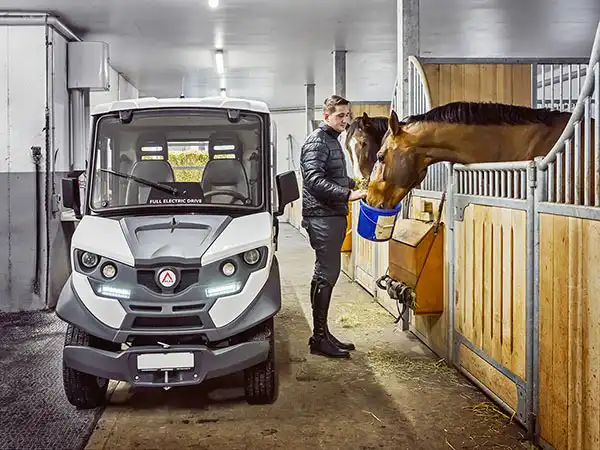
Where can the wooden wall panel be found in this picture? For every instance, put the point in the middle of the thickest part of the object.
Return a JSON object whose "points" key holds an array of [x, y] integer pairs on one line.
{"points": [[504, 83], [569, 338], [490, 306]]}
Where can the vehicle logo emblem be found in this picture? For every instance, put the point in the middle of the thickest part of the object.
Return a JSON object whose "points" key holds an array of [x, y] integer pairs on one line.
{"points": [[167, 278]]}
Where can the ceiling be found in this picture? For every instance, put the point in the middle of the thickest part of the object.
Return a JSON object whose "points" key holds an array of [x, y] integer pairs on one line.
{"points": [[272, 48]]}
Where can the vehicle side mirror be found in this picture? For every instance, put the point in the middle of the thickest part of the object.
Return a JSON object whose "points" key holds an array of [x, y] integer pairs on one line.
{"points": [[287, 190], [70, 193]]}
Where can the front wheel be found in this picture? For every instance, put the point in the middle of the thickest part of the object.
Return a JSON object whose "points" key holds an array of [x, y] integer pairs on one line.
{"points": [[261, 383], [83, 390]]}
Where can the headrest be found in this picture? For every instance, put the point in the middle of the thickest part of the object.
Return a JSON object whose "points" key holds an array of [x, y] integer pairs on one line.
{"points": [[223, 143], [224, 172]]}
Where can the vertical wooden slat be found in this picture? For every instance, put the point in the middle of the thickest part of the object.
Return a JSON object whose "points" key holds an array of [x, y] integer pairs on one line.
{"points": [[521, 84], [546, 329], [488, 280], [478, 261], [591, 338], [459, 278], [560, 321], [507, 287], [496, 274], [469, 273], [575, 344], [488, 91], [471, 83]]}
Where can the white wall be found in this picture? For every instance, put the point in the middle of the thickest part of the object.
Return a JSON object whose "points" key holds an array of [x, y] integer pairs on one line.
{"points": [[22, 117]]}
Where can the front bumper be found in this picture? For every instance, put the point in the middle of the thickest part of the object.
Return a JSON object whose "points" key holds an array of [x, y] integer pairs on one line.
{"points": [[204, 363]]}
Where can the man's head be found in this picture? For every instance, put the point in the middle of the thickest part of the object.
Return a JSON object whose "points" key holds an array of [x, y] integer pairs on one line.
{"points": [[336, 112]]}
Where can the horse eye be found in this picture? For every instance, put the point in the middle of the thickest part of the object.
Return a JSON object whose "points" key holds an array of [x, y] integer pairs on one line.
{"points": [[380, 157]]}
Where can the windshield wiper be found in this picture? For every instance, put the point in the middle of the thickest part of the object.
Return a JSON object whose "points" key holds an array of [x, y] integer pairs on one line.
{"points": [[162, 187]]}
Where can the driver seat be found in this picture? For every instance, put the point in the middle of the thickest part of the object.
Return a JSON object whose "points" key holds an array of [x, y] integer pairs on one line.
{"points": [[225, 173]]}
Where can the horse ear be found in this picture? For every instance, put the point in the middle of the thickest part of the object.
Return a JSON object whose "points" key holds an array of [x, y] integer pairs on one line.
{"points": [[394, 123], [365, 117]]}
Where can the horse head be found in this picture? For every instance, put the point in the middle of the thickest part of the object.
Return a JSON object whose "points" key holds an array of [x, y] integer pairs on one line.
{"points": [[399, 167], [363, 139]]}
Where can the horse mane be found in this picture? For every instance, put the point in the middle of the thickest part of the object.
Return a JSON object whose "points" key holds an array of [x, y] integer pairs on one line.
{"points": [[475, 113]]}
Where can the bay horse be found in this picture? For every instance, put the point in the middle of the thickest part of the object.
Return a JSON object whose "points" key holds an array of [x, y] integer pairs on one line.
{"points": [[363, 140], [458, 132]]}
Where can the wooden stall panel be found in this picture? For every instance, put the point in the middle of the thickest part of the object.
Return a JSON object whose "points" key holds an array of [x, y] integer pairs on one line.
{"points": [[504, 83], [490, 303], [569, 338], [487, 374]]}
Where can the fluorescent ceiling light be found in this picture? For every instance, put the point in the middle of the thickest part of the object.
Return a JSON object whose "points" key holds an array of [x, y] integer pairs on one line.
{"points": [[219, 61], [213, 3]]}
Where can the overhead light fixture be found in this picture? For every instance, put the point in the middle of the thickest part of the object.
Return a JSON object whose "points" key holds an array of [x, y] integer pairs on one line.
{"points": [[219, 61], [213, 3]]}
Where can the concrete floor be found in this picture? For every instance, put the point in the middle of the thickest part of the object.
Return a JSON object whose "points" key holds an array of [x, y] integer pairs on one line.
{"points": [[392, 394]]}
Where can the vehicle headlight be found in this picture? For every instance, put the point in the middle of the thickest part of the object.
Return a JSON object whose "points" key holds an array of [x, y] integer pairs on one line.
{"points": [[109, 271], [228, 269], [89, 260], [251, 257]]}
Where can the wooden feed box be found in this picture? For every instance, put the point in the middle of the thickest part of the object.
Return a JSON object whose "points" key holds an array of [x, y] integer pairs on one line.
{"points": [[408, 249]]}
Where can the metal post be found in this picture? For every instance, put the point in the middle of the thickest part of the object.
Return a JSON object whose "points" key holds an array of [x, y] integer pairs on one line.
{"points": [[339, 72], [450, 254], [408, 44], [310, 106]]}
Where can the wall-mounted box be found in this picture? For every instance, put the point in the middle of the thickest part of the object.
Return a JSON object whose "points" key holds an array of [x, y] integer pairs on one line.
{"points": [[88, 66]]}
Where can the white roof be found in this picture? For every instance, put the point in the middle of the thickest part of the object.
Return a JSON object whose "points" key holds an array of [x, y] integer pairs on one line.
{"points": [[206, 102]]}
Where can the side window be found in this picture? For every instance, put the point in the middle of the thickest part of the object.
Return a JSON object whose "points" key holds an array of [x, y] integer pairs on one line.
{"points": [[188, 159]]}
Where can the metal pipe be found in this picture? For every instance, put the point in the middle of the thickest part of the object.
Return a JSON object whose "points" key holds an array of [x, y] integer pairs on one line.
{"points": [[597, 133], [587, 153], [568, 171], [27, 18], [551, 182], [578, 110], [560, 182], [530, 293], [577, 155], [450, 214]]}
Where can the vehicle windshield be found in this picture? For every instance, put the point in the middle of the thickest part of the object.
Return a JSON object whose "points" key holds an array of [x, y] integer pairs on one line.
{"points": [[178, 157]]}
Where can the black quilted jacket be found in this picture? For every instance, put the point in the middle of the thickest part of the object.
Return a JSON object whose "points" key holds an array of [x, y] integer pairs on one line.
{"points": [[326, 185]]}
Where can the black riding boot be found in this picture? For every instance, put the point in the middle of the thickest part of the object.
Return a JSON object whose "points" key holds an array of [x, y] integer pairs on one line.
{"points": [[335, 341], [320, 342]]}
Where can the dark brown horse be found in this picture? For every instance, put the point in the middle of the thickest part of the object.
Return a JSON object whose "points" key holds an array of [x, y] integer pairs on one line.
{"points": [[363, 140], [458, 132]]}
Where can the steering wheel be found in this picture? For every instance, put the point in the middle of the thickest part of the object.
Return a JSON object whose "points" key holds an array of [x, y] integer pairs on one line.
{"points": [[233, 194]]}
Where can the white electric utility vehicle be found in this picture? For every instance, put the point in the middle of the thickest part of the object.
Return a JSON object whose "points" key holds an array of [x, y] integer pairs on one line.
{"points": [[174, 276]]}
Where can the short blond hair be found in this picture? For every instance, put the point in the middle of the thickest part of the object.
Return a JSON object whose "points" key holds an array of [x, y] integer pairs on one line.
{"points": [[332, 101]]}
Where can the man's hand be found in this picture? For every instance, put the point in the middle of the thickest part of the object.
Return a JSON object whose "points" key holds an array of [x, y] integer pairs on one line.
{"points": [[357, 195]]}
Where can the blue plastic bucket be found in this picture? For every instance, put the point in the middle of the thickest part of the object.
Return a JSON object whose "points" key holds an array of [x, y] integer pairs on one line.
{"points": [[376, 224]]}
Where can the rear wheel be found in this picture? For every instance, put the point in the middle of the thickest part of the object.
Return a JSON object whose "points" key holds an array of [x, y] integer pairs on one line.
{"points": [[261, 381], [83, 390]]}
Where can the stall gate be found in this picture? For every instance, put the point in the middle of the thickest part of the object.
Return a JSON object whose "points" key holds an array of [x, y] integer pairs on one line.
{"points": [[522, 263]]}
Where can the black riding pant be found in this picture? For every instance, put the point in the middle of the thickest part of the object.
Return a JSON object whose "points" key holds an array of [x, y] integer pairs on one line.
{"points": [[326, 235]]}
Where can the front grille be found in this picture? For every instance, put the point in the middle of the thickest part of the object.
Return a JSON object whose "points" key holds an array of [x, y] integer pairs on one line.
{"points": [[166, 322], [147, 278]]}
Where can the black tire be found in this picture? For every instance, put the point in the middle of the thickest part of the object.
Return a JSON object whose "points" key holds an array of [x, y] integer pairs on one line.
{"points": [[261, 381], [83, 390]]}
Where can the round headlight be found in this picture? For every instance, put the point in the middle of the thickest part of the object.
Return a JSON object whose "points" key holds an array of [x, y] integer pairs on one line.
{"points": [[252, 256], [89, 260], [228, 269], [109, 271]]}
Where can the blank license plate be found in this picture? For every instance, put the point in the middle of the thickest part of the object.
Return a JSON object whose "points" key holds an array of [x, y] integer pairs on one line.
{"points": [[165, 361]]}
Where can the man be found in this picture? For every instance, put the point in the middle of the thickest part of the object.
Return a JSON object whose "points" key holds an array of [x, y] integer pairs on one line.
{"points": [[326, 191]]}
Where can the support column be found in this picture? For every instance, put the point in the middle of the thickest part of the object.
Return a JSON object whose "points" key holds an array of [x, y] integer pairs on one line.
{"points": [[408, 44], [339, 72], [310, 106]]}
